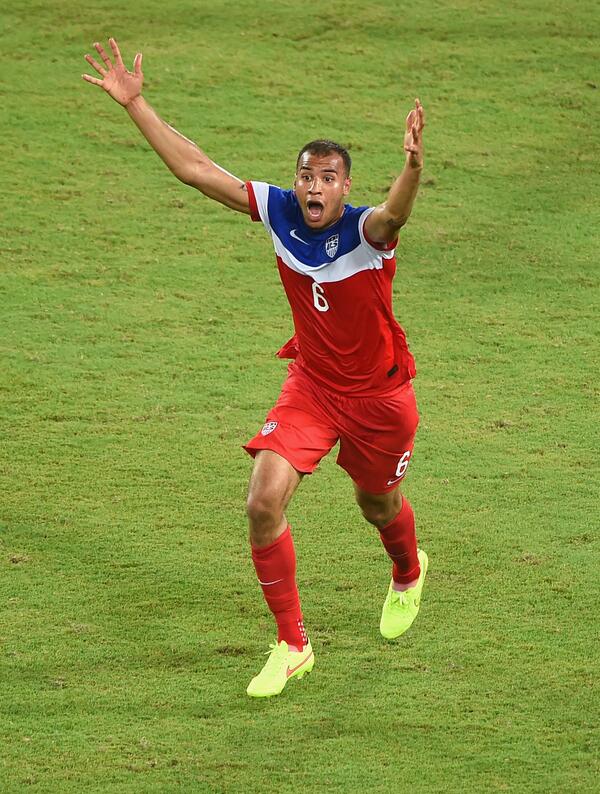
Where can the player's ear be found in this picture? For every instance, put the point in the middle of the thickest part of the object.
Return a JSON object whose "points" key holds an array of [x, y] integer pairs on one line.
{"points": [[347, 185]]}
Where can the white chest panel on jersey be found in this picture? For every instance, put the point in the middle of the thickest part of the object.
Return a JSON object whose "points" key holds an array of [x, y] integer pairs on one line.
{"points": [[338, 269]]}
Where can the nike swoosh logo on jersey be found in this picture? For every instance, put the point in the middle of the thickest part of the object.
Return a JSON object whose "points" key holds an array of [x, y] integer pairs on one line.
{"points": [[391, 482], [293, 669], [295, 236], [266, 583]]}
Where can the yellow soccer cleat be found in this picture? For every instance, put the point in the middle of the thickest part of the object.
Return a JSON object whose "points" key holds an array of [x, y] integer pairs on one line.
{"points": [[281, 665], [400, 608]]}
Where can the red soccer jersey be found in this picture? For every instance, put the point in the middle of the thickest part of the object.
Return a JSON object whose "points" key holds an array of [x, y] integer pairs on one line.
{"points": [[339, 287]]}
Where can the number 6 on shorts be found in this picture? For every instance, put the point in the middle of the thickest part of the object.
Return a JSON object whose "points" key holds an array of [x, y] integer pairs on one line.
{"points": [[403, 465]]}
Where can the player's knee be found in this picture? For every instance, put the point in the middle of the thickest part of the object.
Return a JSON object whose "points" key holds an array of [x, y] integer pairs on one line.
{"points": [[264, 510], [380, 510], [377, 516]]}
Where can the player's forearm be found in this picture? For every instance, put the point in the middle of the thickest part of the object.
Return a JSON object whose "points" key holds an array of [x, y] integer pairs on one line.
{"points": [[402, 195], [181, 156]]}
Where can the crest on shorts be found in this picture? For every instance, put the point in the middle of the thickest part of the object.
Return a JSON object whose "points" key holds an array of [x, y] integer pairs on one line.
{"points": [[268, 427], [331, 245]]}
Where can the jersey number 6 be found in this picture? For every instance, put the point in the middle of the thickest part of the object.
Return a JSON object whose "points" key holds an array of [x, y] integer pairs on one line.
{"points": [[319, 299]]}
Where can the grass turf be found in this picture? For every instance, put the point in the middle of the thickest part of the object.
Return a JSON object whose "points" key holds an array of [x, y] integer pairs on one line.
{"points": [[138, 326]]}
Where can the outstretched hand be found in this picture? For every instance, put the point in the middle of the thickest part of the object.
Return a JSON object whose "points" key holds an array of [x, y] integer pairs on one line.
{"points": [[122, 85], [413, 139]]}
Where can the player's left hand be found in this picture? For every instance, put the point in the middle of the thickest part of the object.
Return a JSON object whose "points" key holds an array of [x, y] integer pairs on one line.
{"points": [[413, 138]]}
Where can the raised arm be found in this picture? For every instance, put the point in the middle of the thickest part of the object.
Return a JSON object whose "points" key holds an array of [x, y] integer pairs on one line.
{"points": [[183, 158], [383, 223]]}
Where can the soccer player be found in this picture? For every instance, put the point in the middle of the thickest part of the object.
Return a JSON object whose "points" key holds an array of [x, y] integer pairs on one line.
{"points": [[350, 379]]}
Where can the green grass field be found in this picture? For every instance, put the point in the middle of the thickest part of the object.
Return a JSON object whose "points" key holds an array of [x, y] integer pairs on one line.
{"points": [[139, 323]]}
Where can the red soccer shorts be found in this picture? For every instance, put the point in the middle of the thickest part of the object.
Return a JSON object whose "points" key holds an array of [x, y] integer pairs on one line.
{"points": [[376, 434]]}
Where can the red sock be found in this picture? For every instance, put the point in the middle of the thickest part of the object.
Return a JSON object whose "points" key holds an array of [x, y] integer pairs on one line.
{"points": [[276, 570], [400, 542]]}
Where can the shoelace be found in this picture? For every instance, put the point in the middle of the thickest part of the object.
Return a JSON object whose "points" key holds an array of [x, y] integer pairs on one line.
{"points": [[400, 600], [275, 652]]}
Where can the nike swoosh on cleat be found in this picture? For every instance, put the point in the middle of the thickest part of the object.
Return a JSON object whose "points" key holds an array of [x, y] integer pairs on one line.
{"points": [[275, 582], [293, 669], [295, 236]]}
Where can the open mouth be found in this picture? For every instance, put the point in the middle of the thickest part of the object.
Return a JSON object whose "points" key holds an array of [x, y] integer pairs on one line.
{"points": [[315, 210]]}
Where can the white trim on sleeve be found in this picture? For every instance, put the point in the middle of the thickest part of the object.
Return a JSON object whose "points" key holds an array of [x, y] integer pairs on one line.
{"points": [[361, 222], [261, 194]]}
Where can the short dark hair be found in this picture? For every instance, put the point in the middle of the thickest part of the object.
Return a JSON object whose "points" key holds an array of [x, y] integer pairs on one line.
{"points": [[322, 147]]}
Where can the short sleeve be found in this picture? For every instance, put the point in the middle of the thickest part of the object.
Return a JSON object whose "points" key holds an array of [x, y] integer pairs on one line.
{"points": [[386, 250], [258, 197]]}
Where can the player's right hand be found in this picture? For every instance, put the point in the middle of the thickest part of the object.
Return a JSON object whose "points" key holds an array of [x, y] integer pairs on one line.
{"points": [[122, 85]]}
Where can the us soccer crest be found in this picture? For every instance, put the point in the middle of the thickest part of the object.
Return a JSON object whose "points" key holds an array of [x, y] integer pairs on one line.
{"points": [[268, 427], [331, 245]]}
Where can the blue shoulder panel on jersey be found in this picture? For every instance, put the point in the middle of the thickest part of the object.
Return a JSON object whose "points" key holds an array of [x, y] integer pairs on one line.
{"points": [[312, 248]]}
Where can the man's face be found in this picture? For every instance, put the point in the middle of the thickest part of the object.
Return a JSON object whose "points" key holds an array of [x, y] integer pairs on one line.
{"points": [[321, 184]]}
